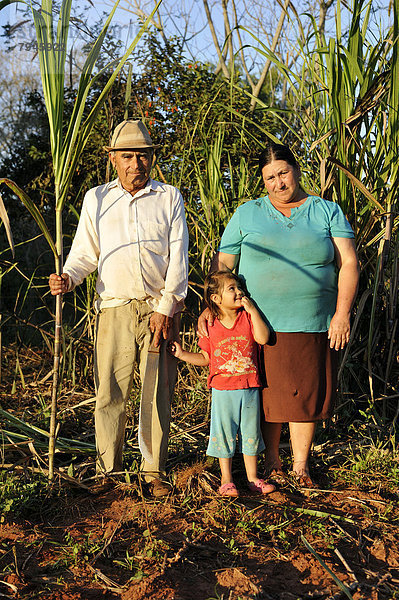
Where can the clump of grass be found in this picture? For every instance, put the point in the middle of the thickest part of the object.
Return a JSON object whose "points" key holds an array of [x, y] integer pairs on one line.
{"points": [[196, 480], [21, 495], [187, 473], [370, 465]]}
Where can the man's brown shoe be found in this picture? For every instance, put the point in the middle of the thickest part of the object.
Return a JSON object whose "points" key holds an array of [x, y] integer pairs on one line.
{"points": [[102, 484], [159, 488]]}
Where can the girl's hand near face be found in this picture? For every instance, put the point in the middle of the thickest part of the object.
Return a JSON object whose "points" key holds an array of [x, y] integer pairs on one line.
{"points": [[260, 330], [247, 304]]}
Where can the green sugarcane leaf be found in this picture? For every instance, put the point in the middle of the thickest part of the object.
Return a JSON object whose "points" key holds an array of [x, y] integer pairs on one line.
{"points": [[352, 67], [393, 114], [339, 583], [360, 186], [6, 221], [128, 92], [34, 211], [52, 80], [60, 47]]}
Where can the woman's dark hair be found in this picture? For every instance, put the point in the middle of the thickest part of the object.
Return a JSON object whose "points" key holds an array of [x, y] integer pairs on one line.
{"points": [[213, 284], [274, 151]]}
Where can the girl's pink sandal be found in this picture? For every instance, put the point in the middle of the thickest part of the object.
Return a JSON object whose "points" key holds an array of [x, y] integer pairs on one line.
{"points": [[228, 489], [260, 486]]}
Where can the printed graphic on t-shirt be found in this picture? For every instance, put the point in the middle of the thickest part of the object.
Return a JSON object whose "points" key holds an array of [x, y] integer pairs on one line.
{"points": [[234, 356]]}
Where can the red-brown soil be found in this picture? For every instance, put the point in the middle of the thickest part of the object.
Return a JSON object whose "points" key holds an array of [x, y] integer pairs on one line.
{"points": [[195, 546]]}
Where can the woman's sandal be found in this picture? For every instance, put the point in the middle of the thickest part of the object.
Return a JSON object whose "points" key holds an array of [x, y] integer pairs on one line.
{"points": [[278, 476], [260, 486], [228, 489]]}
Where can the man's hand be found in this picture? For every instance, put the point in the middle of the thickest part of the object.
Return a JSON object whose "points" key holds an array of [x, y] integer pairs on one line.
{"points": [[205, 319], [160, 327], [59, 284], [339, 331]]}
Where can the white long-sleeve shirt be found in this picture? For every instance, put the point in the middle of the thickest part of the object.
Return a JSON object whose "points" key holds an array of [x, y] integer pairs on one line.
{"points": [[139, 244]]}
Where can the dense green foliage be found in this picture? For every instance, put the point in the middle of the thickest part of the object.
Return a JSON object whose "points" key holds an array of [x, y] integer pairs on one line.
{"points": [[203, 145]]}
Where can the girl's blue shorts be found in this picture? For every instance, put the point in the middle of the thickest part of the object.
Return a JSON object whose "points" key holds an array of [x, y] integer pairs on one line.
{"points": [[235, 419]]}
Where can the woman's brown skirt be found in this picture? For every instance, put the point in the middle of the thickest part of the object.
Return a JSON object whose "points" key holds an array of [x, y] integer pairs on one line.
{"points": [[301, 378]]}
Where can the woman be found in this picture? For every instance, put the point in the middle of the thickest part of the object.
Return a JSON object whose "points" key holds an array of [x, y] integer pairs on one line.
{"points": [[297, 255]]}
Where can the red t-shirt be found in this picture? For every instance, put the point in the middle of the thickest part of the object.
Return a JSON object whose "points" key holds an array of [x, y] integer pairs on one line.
{"points": [[233, 354]]}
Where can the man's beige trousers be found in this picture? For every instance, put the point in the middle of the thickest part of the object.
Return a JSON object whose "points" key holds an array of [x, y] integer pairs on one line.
{"points": [[123, 337]]}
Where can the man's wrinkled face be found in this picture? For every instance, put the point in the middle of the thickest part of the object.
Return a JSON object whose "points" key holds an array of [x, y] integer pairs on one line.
{"points": [[133, 167]]}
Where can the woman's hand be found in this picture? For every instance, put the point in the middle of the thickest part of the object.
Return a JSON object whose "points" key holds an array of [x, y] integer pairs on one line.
{"points": [[339, 331], [205, 319]]}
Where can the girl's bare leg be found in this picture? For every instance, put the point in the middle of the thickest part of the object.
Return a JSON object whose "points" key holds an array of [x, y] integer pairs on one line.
{"points": [[226, 468], [251, 467]]}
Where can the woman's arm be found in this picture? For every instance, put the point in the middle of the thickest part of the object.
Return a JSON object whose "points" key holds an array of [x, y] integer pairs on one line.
{"points": [[348, 278], [224, 262]]}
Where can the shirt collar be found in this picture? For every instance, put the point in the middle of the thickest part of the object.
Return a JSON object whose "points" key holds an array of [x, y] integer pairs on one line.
{"points": [[152, 186]]}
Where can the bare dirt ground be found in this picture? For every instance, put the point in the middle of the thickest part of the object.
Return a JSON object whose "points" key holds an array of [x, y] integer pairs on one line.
{"points": [[73, 541], [195, 546]]}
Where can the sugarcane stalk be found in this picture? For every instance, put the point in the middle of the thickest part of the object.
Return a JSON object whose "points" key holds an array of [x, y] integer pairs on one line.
{"points": [[57, 348]]}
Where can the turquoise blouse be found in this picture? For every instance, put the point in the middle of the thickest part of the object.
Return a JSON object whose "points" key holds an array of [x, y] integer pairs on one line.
{"points": [[288, 263]]}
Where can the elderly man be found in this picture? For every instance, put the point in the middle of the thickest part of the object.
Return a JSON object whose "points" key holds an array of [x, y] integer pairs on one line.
{"points": [[133, 230]]}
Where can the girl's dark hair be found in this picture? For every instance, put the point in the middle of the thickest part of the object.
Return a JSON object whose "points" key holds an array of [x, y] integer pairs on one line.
{"points": [[274, 151], [213, 284]]}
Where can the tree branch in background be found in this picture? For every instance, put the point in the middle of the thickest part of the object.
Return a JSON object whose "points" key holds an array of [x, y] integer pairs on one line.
{"points": [[276, 37], [227, 33], [244, 63], [222, 64], [324, 6]]}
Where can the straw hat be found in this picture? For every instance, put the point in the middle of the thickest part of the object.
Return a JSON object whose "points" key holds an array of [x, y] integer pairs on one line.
{"points": [[131, 135]]}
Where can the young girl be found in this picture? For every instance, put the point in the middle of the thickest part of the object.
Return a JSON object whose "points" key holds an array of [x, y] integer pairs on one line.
{"points": [[232, 354]]}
